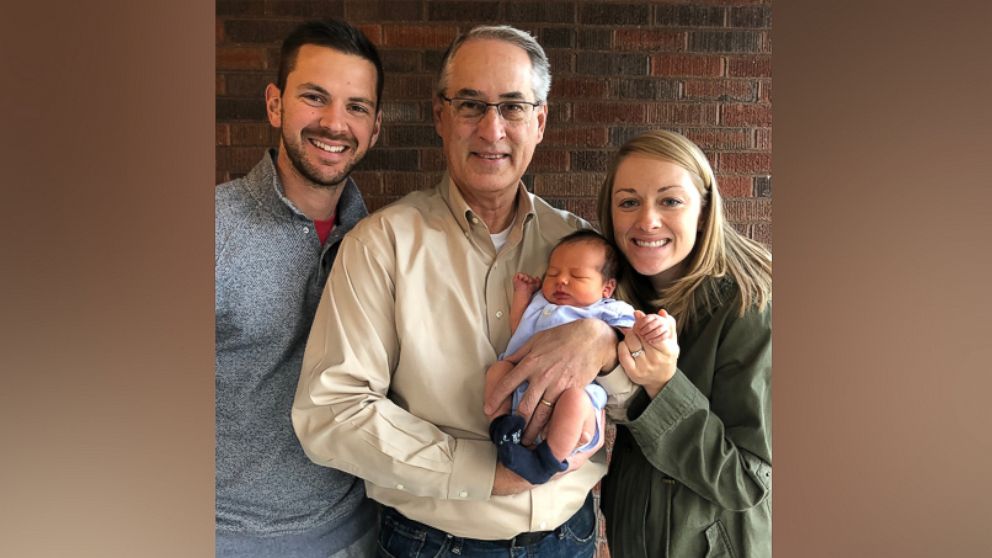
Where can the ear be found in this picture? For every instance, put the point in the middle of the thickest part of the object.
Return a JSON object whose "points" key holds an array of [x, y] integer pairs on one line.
{"points": [[609, 287], [436, 107], [273, 105], [376, 128], [542, 119]]}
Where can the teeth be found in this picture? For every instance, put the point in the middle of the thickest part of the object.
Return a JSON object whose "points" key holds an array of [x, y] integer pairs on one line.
{"points": [[491, 155], [328, 148], [651, 244]]}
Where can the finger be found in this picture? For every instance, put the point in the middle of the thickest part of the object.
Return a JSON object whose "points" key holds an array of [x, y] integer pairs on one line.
{"points": [[623, 355], [522, 352], [539, 406], [632, 342], [653, 330], [502, 390], [538, 387], [639, 319], [538, 420], [505, 404]]}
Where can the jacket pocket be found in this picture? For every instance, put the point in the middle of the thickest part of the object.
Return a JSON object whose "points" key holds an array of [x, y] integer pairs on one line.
{"points": [[718, 542]]}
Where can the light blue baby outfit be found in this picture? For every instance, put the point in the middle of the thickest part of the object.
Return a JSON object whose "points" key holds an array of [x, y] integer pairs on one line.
{"points": [[541, 315]]}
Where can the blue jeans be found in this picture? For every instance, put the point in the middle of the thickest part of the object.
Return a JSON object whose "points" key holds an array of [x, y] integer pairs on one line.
{"points": [[400, 537]]}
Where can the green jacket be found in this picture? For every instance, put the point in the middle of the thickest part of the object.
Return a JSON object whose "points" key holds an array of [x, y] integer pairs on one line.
{"points": [[691, 471]]}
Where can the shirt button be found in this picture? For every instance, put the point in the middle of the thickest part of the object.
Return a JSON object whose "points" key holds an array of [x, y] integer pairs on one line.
{"points": [[463, 494], [306, 230], [543, 526], [475, 220], [399, 487], [499, 313], [547, 311]]}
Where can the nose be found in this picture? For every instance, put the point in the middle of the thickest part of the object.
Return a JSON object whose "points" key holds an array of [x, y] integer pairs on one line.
{"points": [[332, 117], [649, 219], [491, 126]]}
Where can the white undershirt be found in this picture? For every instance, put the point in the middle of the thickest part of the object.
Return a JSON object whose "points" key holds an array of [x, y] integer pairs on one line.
{"points": [[499, 239]]}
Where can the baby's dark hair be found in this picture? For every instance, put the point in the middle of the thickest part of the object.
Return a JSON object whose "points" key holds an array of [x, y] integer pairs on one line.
{"points": [[611, 262]]}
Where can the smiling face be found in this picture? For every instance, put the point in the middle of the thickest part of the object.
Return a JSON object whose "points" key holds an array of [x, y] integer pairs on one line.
{"points": [[574, 276], [487, 157], [656, 209], [327, 114]]}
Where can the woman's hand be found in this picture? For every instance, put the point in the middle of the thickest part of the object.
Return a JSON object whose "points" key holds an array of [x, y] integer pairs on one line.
{"points": [[650, 352]]}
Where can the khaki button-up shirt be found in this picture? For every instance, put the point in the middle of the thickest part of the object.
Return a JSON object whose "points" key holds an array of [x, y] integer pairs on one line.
{"points": [[391, 390]]}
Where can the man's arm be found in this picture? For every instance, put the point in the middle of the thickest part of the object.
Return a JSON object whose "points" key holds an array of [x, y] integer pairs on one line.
{"points": [[341, 413], [554, 360]]}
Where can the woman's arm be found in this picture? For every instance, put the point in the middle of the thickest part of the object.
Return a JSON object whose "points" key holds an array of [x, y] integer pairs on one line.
{"points": [[718, 446]]}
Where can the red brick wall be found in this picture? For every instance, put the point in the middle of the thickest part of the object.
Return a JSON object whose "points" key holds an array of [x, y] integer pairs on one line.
{"points": [[702, 68]]}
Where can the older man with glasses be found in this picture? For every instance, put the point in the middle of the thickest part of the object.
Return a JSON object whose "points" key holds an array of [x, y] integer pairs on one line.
{"points": [[417, 307]]}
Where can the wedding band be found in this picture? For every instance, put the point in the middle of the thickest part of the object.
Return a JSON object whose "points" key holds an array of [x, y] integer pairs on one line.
{"points": [[548, 403], [637, 353]]}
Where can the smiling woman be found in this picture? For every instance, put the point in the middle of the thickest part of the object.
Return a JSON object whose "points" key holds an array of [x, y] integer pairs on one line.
{"points": [[691, 468], [657, 217]]}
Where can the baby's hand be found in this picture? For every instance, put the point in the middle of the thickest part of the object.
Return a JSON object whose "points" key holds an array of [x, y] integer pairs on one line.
{"points": [[658, 331], [650, 361], [526, 283]]}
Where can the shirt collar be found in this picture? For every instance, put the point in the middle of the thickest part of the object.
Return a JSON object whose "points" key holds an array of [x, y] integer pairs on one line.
{"points": [[464, 215]]}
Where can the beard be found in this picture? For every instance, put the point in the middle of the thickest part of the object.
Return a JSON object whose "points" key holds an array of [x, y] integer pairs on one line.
{"points": [[311, 170]]}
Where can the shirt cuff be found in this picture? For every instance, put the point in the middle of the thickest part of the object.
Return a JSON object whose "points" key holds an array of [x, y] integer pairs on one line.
{"points": [[473, 470], [659, 415], [616, 382]]}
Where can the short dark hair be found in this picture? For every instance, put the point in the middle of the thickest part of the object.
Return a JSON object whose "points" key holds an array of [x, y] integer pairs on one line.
{"points": [[611, 261], [330, 33]]}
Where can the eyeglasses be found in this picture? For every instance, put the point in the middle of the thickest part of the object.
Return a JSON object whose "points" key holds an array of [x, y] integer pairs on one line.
{"points": [[472, 110]]}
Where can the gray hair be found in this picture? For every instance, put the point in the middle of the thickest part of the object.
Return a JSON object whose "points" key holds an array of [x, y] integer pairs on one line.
{"points": [[540, 68]]}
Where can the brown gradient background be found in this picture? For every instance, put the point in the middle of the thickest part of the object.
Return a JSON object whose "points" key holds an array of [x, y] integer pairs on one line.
{"points": [[882, 173]]}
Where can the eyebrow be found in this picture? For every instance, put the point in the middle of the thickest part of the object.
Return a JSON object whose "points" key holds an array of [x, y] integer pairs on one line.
{"points": [[466, 92], [660, 189], [314, 87]]}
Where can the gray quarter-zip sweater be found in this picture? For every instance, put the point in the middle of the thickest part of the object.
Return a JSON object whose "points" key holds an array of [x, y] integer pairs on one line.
{"points": [[270, 273]]}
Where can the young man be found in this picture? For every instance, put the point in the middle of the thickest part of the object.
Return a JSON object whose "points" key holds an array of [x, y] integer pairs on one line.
{"points": [[418, 306], [278, 230]]}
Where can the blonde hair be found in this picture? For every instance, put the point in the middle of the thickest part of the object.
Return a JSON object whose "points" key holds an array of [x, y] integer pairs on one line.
{"points": [[720, 253]]}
